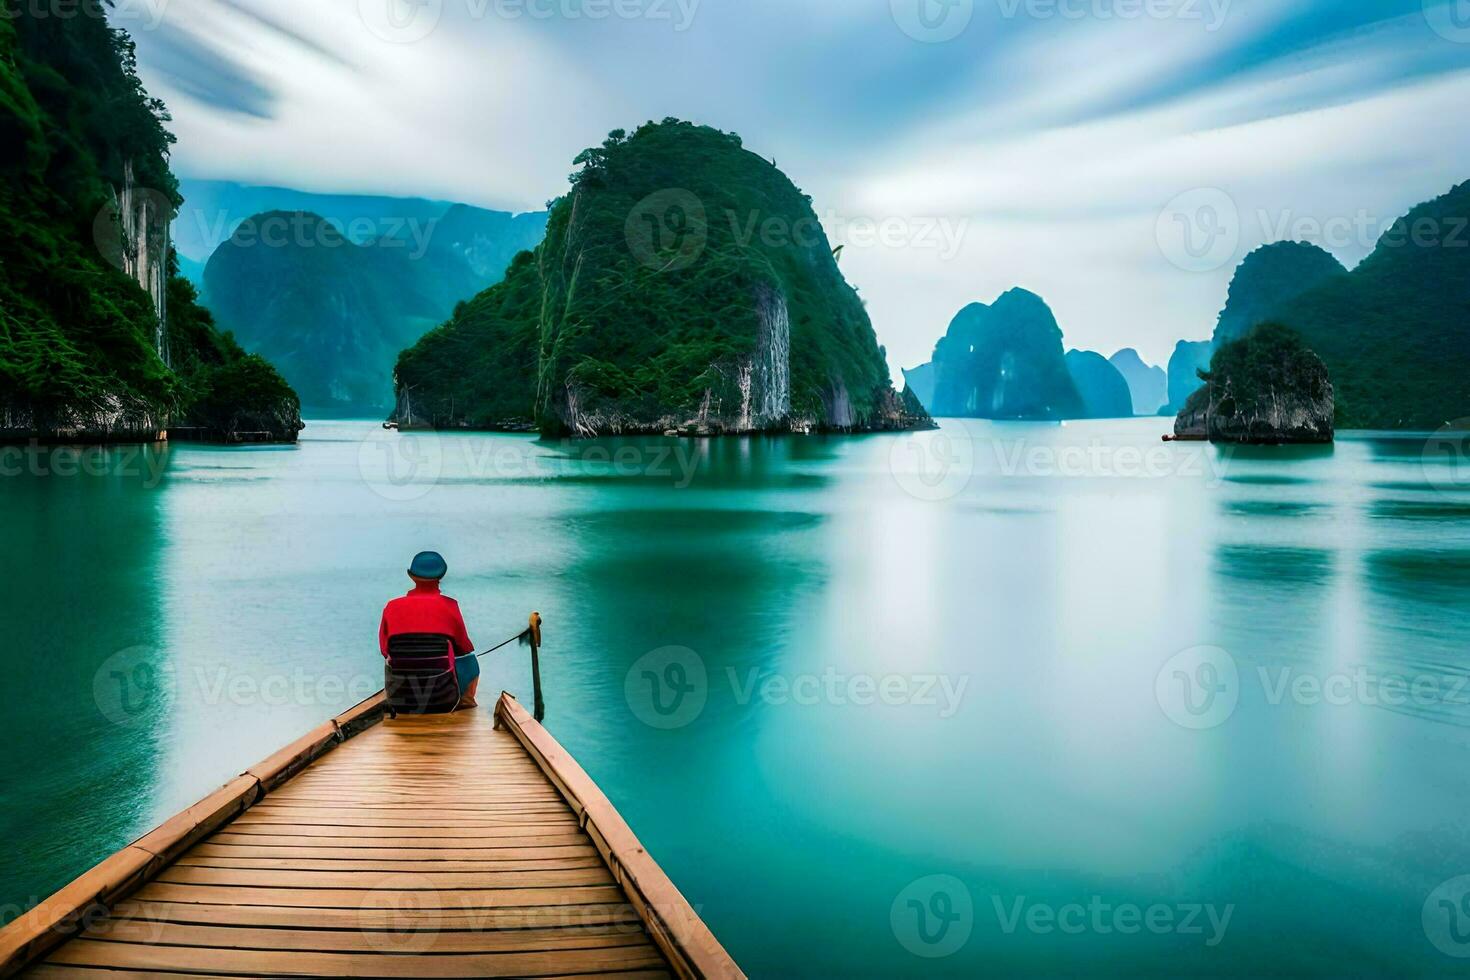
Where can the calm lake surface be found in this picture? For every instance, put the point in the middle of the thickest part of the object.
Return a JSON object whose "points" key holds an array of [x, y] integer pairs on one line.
{"points": [[1027, 699]]}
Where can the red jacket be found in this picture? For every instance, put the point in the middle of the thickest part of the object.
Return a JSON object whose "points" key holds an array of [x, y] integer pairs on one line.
{"points": [[425, 610]]}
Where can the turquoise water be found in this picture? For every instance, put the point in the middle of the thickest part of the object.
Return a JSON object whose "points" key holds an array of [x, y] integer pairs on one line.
{"points": [[1033, 700]]}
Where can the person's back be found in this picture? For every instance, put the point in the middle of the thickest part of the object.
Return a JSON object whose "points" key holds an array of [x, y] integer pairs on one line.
{"points": [[425, 609]]}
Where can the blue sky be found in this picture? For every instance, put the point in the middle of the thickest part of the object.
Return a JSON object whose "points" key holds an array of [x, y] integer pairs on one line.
{"points": [[1117, 157]]}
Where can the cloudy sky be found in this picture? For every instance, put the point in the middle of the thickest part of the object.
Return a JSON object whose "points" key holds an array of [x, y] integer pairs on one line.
{"points": [[1116, 156]]}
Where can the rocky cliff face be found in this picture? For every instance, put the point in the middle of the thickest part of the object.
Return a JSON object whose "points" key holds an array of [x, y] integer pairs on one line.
{"points": [[1104, 391], [99, 342], [1265, 388], [1004, 361], [684, 284], [1148, 385], [1190, 357]]}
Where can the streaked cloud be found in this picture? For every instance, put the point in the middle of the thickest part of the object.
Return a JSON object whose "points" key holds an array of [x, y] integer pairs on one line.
{"points": [[1052, 132]]}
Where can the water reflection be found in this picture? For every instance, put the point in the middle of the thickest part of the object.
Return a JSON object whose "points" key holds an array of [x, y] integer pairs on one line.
{"points": [[1048, 590], [88, 703]]}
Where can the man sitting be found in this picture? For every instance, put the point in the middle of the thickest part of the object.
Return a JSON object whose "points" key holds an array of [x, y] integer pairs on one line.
{"points": [[427, 610]]}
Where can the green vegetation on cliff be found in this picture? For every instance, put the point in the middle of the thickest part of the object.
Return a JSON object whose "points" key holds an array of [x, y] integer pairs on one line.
{"points": [[1266, 387], [333, 313], [683, 282], [1268, 278], [1395, 332], [81, 349]]}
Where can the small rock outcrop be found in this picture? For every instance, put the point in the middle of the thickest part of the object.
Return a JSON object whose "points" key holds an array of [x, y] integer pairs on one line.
{"points": [[1267, 388]]}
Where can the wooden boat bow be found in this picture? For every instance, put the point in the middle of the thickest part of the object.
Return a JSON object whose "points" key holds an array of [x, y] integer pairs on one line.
{"points": [[368, 840]]}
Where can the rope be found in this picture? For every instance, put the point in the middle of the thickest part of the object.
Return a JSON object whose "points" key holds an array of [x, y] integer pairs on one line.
{"points": [[519, 636]]}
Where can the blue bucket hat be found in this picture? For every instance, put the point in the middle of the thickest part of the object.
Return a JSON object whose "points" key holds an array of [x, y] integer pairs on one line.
{"points": [[429, 565]]}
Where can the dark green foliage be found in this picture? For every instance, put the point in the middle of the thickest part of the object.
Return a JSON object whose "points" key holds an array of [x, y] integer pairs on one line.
{"points": [[331, 313], [1268, 278], [1395, 332], [1270, 358], [77, 335], [226, 391], [1265, 387], [647, 292]]}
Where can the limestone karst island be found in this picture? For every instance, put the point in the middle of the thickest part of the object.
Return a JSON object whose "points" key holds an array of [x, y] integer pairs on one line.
{"points": [[711, 489]]}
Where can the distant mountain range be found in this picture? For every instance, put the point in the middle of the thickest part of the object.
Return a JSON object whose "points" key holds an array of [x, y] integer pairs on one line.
{"points": [[213, 209], [1392, 335], [332, 295], [1007, 361]]}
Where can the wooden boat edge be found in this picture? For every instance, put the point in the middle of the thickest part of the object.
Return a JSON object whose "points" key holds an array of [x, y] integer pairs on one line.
{"points": [[675, 926], [117, 876]]}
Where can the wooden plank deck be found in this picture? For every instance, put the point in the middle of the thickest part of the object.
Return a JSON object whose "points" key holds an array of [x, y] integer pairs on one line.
{"points": [[459, 845]]}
